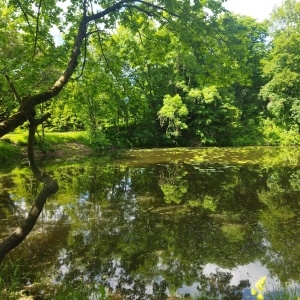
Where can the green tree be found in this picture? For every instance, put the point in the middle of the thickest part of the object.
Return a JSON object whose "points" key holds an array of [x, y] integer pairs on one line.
{"points": [[219, 79], [45, 69], [213, 118], [172, 114], [246, 95], [282, 70]]}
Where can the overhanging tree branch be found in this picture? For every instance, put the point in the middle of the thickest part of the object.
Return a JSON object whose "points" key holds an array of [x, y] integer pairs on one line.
{"points": [[29, 102]]}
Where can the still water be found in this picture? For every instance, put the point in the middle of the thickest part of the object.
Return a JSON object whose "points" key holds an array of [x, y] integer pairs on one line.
{"points": [[152, 223]]}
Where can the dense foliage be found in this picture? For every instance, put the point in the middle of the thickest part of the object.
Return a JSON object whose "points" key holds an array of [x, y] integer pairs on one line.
{"points": [[143, 73], [149, 75]]}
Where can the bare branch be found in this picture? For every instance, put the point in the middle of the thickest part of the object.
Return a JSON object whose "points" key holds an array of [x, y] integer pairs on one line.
{"points": [[25, 13], [117, 6], [12, 88], [157, 7], [37, 27], [93, 31], [84, 59], [148, 13]]}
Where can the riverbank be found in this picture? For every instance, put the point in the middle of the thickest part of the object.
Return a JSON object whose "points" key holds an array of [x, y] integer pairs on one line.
{"points": [[55, 145]]}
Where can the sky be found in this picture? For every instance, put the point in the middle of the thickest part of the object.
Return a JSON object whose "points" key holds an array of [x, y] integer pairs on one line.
{"points": [[258, 9]]}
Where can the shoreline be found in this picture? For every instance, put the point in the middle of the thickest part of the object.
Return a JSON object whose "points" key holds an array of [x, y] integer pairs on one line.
{"points": [[12, 152]]}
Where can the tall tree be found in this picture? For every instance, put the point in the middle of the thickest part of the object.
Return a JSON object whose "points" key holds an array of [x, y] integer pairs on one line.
{"points": [[282, 68], [40, 72]]}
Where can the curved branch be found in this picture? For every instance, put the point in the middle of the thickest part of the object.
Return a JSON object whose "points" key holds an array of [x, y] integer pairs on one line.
{"points": [[37, 27], [158, 8], [84, 58], [28, 103], [12, 88], [25, 13], [50, 187]]}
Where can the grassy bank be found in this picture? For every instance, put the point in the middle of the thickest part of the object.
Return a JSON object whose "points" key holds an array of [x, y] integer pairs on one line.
{"points": [[9, 152], [51, 138], [13, 145]]}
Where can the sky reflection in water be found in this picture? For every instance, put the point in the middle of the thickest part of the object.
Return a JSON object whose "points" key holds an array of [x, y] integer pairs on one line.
{"points": [[165, 221]]}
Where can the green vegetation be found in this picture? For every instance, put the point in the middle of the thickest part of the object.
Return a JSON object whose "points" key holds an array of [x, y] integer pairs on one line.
{"points": [[125, 74], [218, 79], [15, 143], [227, 195], [283, 294], [80, 291], [8, 152], [11, 279], [52, 138]]}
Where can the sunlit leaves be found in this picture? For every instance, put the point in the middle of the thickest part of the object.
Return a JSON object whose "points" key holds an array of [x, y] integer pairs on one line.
{"points": [[283, 67], [137, 54], [208, 108], [173, 113]]}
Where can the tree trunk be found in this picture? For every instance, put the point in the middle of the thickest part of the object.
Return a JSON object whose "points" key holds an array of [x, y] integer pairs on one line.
{"points": [[50, 187]]}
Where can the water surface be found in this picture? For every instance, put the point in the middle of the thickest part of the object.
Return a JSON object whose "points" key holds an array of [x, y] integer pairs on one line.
{"points": [[151, 223]]}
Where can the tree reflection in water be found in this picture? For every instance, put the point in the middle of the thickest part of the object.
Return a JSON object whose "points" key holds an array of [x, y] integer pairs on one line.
{"points": [[120, 226]]}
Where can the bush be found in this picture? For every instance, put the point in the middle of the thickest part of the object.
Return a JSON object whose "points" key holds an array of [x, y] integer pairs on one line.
{"points": [[99, 141], [276, 135]]}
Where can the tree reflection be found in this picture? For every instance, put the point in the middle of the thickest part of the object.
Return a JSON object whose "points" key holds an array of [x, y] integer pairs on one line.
{"points": [[127, 240], [172, 183], [50, 187], [7, 207], [217, 285], [125, 230], [281, 223]]}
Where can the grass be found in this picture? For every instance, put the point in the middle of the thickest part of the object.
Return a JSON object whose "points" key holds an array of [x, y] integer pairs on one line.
{"points": [[10, 275], [13, 286], [10, 146], [80, 292], [283, 294], [67, 137], [54, 139], [11, 279], [51, 137], [13, 144], [8, 152]]}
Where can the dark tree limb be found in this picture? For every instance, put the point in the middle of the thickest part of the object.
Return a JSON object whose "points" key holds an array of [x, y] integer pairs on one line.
{"points": [[50, 187], [29, 102], [37, 28], [27, 112], [12, 88]]}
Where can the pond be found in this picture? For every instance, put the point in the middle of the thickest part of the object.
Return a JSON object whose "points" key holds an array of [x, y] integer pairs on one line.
{"points": [[153, 223]]}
